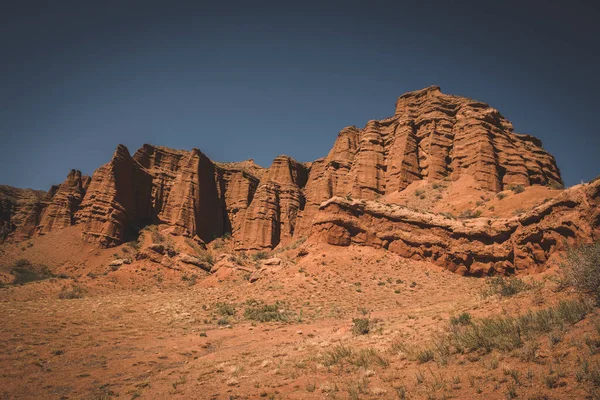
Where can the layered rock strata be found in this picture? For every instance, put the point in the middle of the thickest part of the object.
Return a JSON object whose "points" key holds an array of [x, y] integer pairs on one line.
{"points": [[479, 246]]}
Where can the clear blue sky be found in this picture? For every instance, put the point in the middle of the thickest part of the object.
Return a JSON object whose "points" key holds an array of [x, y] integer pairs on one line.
{"points": [[257, 79]]}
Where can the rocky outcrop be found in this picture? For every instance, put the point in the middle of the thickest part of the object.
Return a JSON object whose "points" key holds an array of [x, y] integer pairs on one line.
{"points": [[271, 216], [118, 197], [196, 196], [479, 246], [431, 136], [16, 205], [38, 212], [59, 211]]}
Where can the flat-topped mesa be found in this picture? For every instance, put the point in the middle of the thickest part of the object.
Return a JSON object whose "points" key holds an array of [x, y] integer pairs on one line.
{"points": [[271, 216]]}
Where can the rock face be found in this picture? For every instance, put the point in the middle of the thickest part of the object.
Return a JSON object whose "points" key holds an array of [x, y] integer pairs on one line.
{"points": [[38, 212], [431, 136], [473, 247], [62, 205], [16, 205], [117, 198], [271, 216]]}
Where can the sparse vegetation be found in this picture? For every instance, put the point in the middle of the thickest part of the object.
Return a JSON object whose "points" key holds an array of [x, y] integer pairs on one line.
{"points": [[260, 255], [505, 287], [468, 214], [258, 311], [508, 333], [462, 319], [361, 326], [225, 309], [516, 188], [73, 292], [581, 269], [24, 272]]}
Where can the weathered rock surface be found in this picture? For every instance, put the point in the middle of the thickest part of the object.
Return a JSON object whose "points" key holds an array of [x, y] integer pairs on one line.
{"points": [[431, 136], [117, 198], [477, 246], [272, 214], [61, 208], [38, 212], [16, 205]]}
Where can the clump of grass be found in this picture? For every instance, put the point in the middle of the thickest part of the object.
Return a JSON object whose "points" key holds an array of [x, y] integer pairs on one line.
{"points": [[415, 353], [557, 185], [225, 309], [362, 358], [516, 188], [337, 355], [260, 255], [468, 214], [294, 245], [258, 311], [505, 287], [201, 253], [24, 272], [73, 292], [581, 269], [462, 319], [508, 333], [448, 215], [361, 326]]}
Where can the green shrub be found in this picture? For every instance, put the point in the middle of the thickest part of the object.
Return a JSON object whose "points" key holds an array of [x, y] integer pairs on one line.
{"points": [[462, 319], [260, 255], [361, 326], [74, 292], [468, 214], [506, 287], [24, 271], [556, 185], [225, 309], [516, 188], [508, 333], [258, 311], [581, 269]]}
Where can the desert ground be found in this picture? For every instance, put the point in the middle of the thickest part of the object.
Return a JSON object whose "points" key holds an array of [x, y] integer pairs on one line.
{"points": [[307, 321]]}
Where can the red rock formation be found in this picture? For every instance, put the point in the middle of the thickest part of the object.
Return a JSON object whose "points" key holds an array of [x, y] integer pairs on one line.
{"points": [[472, 247], [62, 205], [119, 195], [16, 205], [271, 217], [45, 211], [431, 136], [195, 195]]}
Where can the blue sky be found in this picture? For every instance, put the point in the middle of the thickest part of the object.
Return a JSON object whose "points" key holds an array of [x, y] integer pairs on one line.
{"points": [[258, 79]]}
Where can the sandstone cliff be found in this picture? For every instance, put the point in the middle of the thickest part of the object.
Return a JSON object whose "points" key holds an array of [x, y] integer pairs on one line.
{"points": [[16, 205], [432, 137], [478, 246]]}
